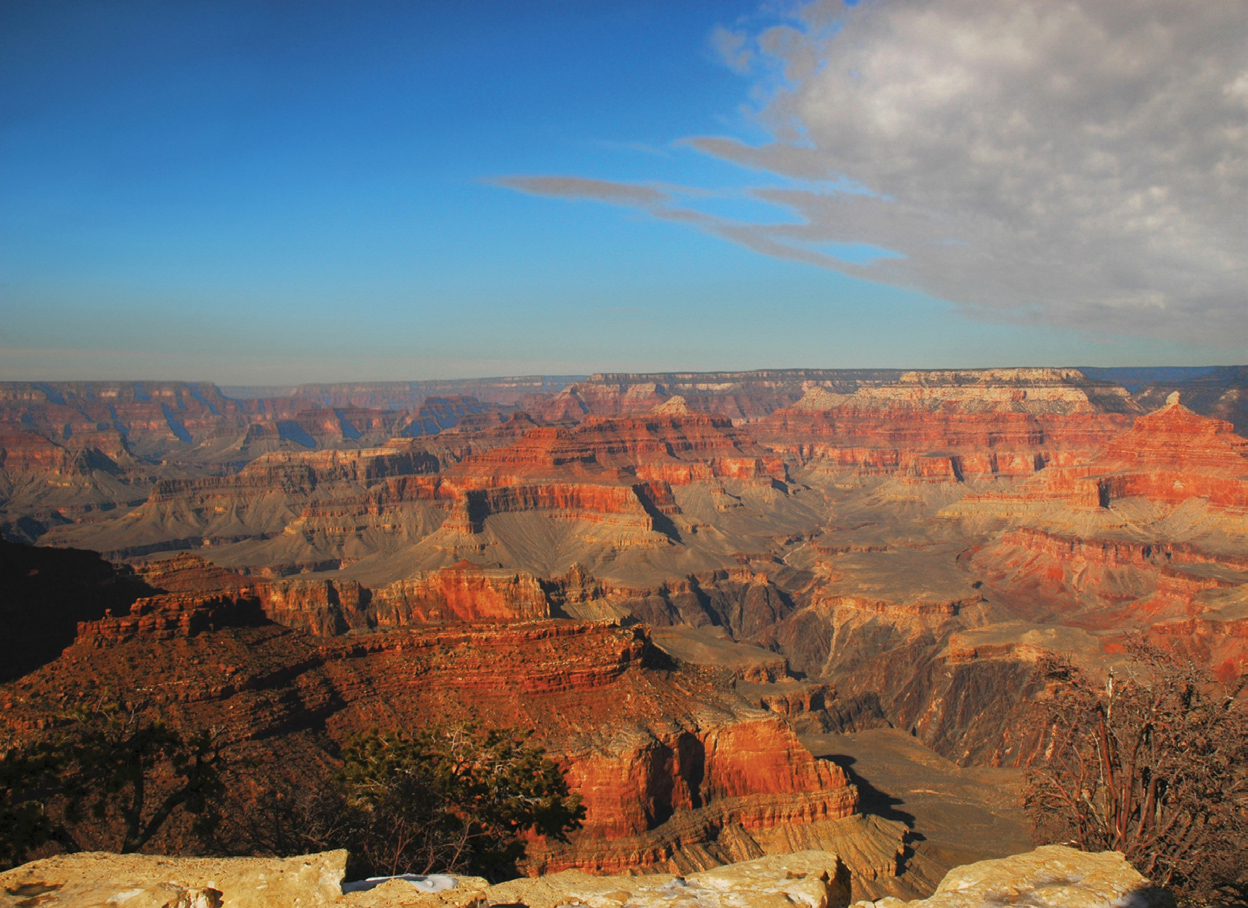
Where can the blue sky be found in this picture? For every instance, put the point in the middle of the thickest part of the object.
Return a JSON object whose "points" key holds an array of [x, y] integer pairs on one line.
{"points": [[277, 192]]}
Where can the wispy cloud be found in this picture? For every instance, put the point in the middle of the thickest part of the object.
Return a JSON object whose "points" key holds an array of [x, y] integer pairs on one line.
{"points": [[731, 49], [1082, 164], [582, 188]]}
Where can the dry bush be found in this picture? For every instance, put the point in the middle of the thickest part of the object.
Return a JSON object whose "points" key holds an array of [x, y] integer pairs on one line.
{"points": [[1153, 764]]}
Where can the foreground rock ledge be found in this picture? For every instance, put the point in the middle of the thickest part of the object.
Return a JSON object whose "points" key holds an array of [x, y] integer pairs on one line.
{"points": [[1049, 877]]}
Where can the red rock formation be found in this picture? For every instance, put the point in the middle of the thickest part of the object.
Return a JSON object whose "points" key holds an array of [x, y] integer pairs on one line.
{"points": [[1099, 583], [647, 747], [187, 573], [618, 471], [935, 445], [1169, 456], [31, 452], [690, 446], [169, 616], [1221, 644], [460, 594], [752, 775], [948, 426]]}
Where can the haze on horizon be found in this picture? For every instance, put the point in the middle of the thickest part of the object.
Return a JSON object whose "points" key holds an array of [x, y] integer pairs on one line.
{"points": [[271, 193]]}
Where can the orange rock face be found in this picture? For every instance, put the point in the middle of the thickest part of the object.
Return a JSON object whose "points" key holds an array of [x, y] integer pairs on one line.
{"points": [[1138, 568], [1170, 456], [688, 446], [460, 594], [658, 755], [936, 445], [618, 470]]}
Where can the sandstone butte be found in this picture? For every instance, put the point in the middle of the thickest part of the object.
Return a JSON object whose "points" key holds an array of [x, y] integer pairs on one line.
{"points": [[933, 428], [1168, 456], [1049, 877]]}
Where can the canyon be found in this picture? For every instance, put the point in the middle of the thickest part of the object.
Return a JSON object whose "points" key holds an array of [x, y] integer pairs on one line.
{"points": [[686, 583]]}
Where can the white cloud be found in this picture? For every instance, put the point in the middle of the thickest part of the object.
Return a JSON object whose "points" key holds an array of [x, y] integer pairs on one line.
{"points": [[1082, 163]]}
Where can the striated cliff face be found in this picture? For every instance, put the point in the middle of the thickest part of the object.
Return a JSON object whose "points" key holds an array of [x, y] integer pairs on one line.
{"points": [[460, 594], [688, 446], [663, 755], [730, 787], [1168, 456], [951, 426], [752, 396]]}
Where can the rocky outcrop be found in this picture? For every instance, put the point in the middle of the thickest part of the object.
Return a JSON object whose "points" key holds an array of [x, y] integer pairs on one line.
{"points": [[814, 879], [463, 593], [1053, 876], [951, 426], [460, 594], [811, 879], [196, 595], [673, 767], [746, 779], [1049, 877], [170, 616], [92, 879], [1168, 456]]}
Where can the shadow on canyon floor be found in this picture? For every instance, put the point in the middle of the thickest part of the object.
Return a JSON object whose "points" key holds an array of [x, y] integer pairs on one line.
{"points": [[870, 799], [956, 815]]}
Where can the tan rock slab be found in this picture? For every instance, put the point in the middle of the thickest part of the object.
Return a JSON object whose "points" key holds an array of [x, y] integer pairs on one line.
{"points": [[100, 880], [1052, 876], [807, 879]]}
